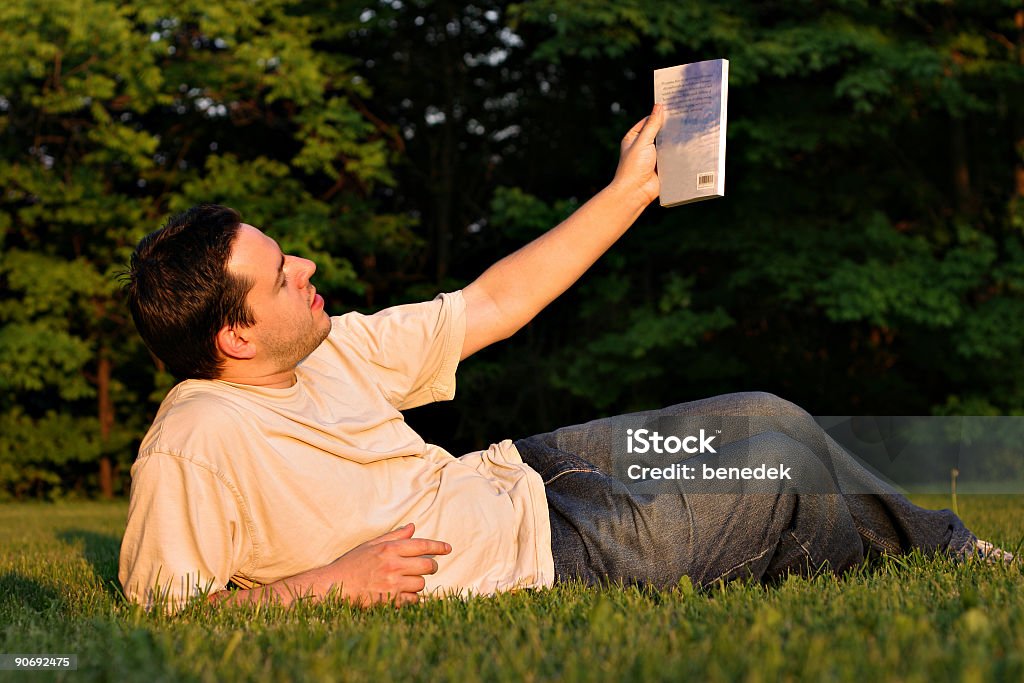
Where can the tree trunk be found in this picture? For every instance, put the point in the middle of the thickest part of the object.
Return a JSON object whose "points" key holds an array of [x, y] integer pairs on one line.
{"points": [[1017, 117], [961, 170], [106, 415]]}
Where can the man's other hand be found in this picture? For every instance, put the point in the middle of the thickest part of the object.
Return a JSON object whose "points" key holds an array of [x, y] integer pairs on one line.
{"points": [[389, 568]]}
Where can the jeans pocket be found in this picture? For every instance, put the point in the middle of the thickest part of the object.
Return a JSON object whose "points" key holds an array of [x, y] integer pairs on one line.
{"points": [[551, 463]]}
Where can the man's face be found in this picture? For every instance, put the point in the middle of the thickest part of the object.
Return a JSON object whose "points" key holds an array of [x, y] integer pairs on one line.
{"points": [[290, 317]]}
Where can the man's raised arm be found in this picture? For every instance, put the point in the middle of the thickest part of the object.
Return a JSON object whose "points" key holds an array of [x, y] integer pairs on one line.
{"points": [[512, 291], [389, 568]]}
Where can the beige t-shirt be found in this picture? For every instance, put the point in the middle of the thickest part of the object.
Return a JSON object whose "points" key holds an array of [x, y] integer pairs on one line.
{"points": [[255, 484]]}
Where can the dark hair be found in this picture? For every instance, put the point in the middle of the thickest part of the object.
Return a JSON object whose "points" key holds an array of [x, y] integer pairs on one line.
{"points": [[181, 293]]}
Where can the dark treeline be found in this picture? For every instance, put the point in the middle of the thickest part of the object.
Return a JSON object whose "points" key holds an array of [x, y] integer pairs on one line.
{"points": [[868, 257]]}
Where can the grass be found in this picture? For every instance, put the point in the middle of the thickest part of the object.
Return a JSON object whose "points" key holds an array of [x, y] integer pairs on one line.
{"points": [[910, 619]]}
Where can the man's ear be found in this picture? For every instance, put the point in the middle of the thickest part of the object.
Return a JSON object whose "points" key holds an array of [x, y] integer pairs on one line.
{"points": [[235, 342]]}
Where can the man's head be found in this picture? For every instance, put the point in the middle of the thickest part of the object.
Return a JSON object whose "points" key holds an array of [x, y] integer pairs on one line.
{"points": [[210, 295]]}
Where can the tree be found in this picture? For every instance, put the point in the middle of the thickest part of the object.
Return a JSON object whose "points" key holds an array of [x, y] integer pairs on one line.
{"points": [[114, 114]]}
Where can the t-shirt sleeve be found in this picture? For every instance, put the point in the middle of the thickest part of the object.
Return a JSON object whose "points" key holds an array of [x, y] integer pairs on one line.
{"points": [[413, 350], [185, 533]]}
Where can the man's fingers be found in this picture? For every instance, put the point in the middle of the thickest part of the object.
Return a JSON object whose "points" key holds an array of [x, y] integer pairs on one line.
{"points": [[398, 534], [414, 547], [405, 592], [652, 124], [646, 129], [630, 137], [407, 546], [411, 584], [407, 599], [418, 566]]}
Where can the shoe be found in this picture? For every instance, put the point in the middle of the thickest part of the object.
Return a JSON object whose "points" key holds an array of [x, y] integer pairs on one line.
{"points": [[987, 552]]}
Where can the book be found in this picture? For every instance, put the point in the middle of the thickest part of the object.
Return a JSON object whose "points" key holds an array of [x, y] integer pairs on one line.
{"points": [[691, 144]]}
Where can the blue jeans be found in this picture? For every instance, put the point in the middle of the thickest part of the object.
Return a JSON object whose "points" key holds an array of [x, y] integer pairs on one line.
{"points": [[604, 531]]}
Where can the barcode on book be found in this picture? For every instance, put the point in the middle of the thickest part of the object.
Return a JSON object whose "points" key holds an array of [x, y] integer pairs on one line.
{"points": [[705, 180]]}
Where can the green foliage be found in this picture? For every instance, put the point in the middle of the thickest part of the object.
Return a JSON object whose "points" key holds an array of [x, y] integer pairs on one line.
{"points": [[36, 452], [906, 279], [632, 361], [521, 216], [113, 115]]}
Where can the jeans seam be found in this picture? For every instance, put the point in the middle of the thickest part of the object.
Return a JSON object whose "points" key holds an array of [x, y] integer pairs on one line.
{"points": [[744, 562], [572, 471], [803, 547], [870, 535]]}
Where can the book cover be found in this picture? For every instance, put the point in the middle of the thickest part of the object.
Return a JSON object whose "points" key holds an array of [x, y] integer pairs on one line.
{"points": [[691, 144]]}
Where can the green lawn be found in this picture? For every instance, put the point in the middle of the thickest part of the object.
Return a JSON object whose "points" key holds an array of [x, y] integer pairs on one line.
{"points": [[908, 619]]}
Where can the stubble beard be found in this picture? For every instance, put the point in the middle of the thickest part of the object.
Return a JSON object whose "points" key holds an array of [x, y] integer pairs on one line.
{"points": [[288, 353]]}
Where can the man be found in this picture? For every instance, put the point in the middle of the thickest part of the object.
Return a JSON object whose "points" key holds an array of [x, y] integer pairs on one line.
{"points": [[282, 463]]}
